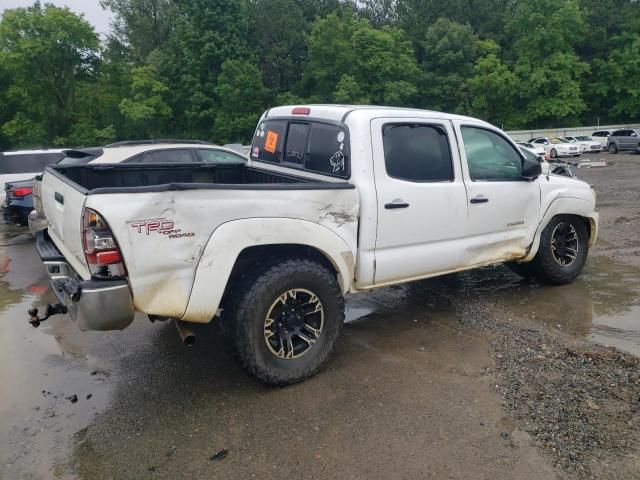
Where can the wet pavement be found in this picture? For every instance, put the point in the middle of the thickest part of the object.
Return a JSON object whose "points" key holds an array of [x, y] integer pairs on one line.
{"points": [[411, 391]]}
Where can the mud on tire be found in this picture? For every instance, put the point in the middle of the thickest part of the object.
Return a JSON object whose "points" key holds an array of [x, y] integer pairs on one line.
{"points": [[266, 320], [564, 245]]}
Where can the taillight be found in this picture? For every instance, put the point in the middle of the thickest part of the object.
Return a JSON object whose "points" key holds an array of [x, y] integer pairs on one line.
{"points": [[20, 192], [301, 111], [100, 247]]}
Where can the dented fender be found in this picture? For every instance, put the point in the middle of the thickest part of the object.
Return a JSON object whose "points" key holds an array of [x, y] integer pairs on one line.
{"points": [[565, 206], [230, 239]]}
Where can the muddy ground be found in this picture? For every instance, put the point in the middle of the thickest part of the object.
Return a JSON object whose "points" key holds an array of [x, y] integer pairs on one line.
{"points": [[480, 375]]}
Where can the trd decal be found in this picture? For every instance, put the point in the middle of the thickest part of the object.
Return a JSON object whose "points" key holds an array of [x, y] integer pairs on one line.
{"points": [[162, 226]]}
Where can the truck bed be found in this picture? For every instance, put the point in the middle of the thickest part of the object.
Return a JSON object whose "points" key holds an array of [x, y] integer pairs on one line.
{"points": [[200, 203], [122, 178]]}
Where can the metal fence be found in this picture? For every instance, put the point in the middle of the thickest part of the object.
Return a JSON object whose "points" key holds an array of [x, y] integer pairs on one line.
{"points": [[525, 135]]}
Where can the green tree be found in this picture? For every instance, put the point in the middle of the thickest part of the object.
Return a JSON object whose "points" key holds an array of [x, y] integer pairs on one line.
{"points": [[548, 69], [492, 89], [349, 60], [206, 34], [623, 78], [278, 27], [143, 25], [48, 52], [450, 53], [146, 109], [242, 98]]}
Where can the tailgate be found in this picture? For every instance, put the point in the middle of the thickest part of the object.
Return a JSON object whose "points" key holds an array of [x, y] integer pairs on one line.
{"points": [[63, 203]]}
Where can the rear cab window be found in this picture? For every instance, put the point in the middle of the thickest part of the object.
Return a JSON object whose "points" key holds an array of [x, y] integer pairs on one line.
{"points": [[306, 144]]}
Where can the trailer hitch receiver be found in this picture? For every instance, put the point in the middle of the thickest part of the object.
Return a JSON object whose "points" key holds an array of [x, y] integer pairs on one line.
{"points": [[56, 309]]}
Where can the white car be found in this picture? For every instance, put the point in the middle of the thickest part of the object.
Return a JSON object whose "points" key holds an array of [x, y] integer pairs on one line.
{"points": [[24, 165], [334, 199], [536, 148], [587, 144], [557, 147], [143, 151], [602, 136]]}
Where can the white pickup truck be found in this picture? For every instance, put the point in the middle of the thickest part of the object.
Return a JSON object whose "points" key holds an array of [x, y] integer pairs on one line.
{"points": [[334, 199]]}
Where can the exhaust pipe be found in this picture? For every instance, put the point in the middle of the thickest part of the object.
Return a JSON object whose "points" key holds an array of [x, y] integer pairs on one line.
{"points": [[187, 336]]}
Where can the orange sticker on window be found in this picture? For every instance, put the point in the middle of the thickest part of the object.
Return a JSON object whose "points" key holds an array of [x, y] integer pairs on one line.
{"points": [[271, 142]]}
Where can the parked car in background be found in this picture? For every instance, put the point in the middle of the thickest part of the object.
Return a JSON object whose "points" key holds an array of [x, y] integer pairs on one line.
{"points": [[25, 164], [587, 144], [602, 136], [626, 139], [139, 151], [557, 147], [18, 201], [538, 149]]}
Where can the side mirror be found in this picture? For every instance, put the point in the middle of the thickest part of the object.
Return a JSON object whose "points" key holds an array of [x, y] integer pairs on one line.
{"points": [[531, 169], [634, 134]]}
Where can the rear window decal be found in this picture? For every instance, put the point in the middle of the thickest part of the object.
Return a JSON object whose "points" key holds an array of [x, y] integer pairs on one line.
{"points": [[271, 142]]}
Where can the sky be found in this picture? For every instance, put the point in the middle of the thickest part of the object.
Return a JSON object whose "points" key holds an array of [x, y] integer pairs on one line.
{"points": [[92, 10]]}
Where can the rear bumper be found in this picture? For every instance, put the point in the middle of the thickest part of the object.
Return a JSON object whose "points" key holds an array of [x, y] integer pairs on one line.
{"points": [[92, 304]]}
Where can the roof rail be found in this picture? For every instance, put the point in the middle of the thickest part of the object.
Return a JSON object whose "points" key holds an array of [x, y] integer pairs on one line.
{"points": [[129, 143]]}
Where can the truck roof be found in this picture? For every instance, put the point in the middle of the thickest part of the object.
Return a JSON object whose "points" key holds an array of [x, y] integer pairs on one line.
{"points": [[339, 113]]}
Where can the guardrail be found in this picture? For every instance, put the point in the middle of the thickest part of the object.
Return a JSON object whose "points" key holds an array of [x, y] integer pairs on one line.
{"points": [[525, 135]]}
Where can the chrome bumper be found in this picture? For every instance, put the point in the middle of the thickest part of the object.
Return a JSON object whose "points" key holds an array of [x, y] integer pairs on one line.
{"points": [[92, 304]]}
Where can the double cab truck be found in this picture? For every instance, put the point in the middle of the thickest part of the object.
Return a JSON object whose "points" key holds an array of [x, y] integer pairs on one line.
{"points": [[333, 200]]}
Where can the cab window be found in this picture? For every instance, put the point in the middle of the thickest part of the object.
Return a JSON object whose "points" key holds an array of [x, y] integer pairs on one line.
{"points": [[490, 157], [417, 153]]}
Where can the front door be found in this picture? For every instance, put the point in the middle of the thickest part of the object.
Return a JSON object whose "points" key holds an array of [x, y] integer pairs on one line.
{"points": [[422, 202], [503, 208]]}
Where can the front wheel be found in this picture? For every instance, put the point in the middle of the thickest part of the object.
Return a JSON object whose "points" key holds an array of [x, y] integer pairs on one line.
{"points": [[562, 254], [613, 148], [286, 321]]}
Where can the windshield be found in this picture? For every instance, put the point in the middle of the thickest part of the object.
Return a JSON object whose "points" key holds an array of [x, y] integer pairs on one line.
{"points": [[559, 140], [584, 138]]}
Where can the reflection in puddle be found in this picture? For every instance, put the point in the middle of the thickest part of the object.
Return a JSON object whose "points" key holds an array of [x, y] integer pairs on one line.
{"points": [[603, 304]]}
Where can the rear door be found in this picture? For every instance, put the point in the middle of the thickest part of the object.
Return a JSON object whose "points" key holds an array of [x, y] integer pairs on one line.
{"points": [[503, 208], [422, 203], [63, 204]]}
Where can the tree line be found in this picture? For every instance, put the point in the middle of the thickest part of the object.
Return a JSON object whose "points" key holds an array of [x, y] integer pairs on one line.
{"points": [[206, 69]]}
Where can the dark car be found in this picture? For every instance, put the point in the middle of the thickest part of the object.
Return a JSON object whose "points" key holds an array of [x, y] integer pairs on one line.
{"points": [[18, 201]]}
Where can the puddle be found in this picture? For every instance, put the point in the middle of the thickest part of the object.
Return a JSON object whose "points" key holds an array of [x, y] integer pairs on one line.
{"points": [[602, 305], [39, 374]]}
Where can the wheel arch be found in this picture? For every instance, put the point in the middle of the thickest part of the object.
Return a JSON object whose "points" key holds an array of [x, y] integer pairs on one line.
{"points": [[566, 206], [237, 246]]}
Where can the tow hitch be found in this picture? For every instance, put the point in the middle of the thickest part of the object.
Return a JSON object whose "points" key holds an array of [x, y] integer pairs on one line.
{"points": [[56, 309]]}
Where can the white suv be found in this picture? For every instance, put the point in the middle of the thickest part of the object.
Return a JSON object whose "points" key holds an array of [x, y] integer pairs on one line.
{"points": [[142, 151]]}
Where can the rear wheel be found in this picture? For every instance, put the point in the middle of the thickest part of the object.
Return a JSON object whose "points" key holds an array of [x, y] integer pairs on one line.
{"points": [[613, 148], [562, 254], [287, 320]]}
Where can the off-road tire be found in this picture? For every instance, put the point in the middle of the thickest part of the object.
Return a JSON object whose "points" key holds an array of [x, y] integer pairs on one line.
{"points": [[613, 148], [247, 312], [545, 267], [554, 153]]}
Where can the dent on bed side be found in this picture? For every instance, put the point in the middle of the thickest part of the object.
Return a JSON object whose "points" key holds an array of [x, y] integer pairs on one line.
{"points": [[339, 214]]}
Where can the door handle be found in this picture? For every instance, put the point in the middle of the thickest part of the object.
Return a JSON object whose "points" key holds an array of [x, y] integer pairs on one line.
{"points": [[59, 198], [396, 204], [479, 200]]}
